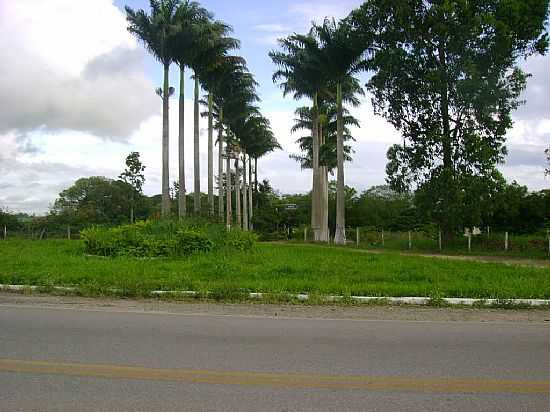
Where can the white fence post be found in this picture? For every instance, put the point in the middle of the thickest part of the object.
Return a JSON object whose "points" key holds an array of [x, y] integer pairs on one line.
{"points": [[506, 241], [469, 243], [357, 236], [5, 232], [440, 242], [69, 232], [548, 235], [383, 242], [305, 234], [410, 240]]}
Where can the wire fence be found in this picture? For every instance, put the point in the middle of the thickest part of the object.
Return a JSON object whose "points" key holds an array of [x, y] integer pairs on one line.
{"points": [[38, 232], [486, 242]]}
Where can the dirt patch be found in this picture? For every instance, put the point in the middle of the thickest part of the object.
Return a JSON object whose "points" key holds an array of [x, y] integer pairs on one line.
{"points": [[359, 312], [506, 260]]}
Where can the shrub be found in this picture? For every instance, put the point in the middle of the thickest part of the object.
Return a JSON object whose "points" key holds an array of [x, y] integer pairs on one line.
{"points": [[237, 239], [191, 241], [163, 238]]}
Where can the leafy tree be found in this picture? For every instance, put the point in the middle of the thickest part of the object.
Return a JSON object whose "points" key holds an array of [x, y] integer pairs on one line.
{"points": [[9, 220], [133, 176], [446, 75], [93, 200]]}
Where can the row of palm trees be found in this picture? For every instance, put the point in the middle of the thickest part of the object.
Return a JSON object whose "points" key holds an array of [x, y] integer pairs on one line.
{"points": [[186, 34], [321, 66]]}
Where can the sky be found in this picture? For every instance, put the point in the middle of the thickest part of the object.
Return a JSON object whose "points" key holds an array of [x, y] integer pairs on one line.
{"points": [[77, 95]]}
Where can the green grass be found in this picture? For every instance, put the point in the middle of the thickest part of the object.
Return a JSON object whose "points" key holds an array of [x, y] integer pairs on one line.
{"points": [[269, 268], [519, 246]]}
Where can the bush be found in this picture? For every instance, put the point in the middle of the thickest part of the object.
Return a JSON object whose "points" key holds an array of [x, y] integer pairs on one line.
{"points": [[240, 240], [164, 238]]}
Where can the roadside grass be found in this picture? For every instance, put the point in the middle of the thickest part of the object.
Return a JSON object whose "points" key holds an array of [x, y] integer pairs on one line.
{"points": [[275, 269], [520, 246], [534, 246]]}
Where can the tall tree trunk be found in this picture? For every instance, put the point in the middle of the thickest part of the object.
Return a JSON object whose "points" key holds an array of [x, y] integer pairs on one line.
{"points": [[256, 175], [228, 190], [340, 235], [250, 202], [182, 203], [165, 206], [210, 158], [245, 195], [220, 167], [238, 191], [315, 198], [323, 192], [196, 152], [449, 193]]}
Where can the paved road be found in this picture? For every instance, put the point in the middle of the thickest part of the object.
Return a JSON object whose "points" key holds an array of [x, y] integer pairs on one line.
{"points": [[71, 360]]}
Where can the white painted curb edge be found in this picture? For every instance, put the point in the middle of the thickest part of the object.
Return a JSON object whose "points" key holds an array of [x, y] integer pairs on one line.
{"points": [[305, 297]]}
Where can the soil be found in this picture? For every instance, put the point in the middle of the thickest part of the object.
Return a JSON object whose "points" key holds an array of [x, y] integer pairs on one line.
{"points": [[277, 311]]}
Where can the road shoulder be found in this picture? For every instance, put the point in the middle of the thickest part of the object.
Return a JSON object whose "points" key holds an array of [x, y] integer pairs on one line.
{"points": [[277, 311]]}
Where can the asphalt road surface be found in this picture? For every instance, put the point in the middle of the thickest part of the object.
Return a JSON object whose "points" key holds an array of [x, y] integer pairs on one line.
{"points": [[82, 360]]}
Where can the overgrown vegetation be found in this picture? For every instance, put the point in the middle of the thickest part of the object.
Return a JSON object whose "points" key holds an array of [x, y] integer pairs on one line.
{"points": [[164, 238], [274, 269]]}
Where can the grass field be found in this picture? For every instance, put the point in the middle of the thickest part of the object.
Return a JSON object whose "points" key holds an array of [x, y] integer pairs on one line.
{"points": [[269, 268], [534, 246]]}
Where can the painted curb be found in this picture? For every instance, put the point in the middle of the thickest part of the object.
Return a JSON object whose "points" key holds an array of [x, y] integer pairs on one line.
{"points": [[408, 300]]}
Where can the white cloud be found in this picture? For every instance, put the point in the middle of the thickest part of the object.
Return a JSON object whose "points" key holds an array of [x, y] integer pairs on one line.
{"points": [[66, 34], [71, 65], [318, 11], [75, 101], [272, 28]]}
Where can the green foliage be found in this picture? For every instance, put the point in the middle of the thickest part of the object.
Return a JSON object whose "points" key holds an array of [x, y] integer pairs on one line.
{"points": [[239, 240], [191, 241], [447, 76], [9, 220], [133, 174], [163, 238], [99, 200]]}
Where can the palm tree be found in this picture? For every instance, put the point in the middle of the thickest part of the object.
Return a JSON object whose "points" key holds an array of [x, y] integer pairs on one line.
{"points": [[300, 73], [257, 140], [154, 31], [190, 17], [200, 44], [238, 96], [341, 59], [216, 81], [212, 47], [328, 129]]}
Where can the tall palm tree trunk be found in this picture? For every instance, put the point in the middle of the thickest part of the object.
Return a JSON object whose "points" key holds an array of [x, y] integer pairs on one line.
{"points": [[340, 235], [220, 168], [323, 193], [250, 203], [245, 195], [182, 207], [256, 175], [196, 153], [228, 194], [165, 206], [210, 158], [315, 199], [237, 191]]}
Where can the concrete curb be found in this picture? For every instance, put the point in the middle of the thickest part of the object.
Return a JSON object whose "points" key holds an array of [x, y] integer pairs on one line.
{"points": [[421, 301]]}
